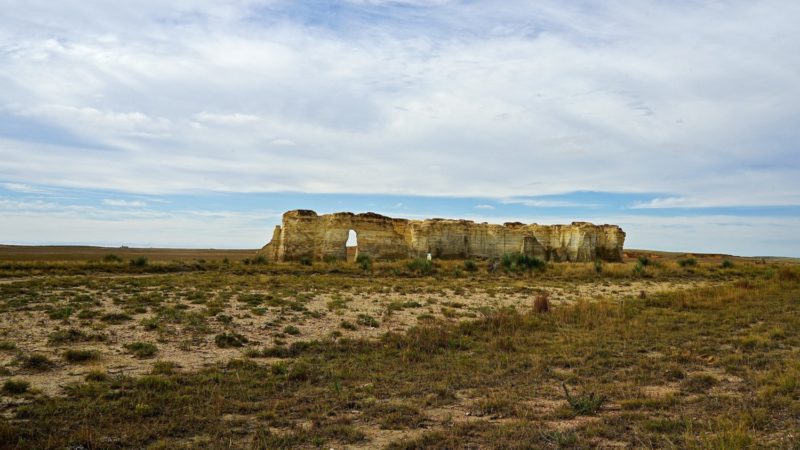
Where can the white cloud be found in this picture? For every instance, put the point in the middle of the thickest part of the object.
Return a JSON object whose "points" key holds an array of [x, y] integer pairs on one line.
{"points": [[484, 207], [124, 203], [695, 99]]}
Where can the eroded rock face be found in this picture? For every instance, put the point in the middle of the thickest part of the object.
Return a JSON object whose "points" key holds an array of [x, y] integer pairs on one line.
{"points": [[305, 234]]}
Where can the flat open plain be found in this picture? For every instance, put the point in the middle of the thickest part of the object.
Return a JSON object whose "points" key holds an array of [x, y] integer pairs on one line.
{"points": [[133, 348]]}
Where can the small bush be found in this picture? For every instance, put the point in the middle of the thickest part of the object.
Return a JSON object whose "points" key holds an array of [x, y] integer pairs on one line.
{"points": [[37, 362], [163, 368], [142, 349], [112, 258], [364, 261], [96, 375], [80, 356], [140, 261], [60, 313], [699, 383], [421, 266], [230, 339], [687, 262], [470, 265], [541, 304], [259, 260], [517, 262], [643, 261], [7, 345], [348, 325], [367, 321], [727, 264], [584, 404], [305, 260], [16, 387], [115, 318], [598, 265], [291, 329]]}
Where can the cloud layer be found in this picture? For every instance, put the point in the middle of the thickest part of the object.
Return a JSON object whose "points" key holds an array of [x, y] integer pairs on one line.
{"points": [[698, 100]]}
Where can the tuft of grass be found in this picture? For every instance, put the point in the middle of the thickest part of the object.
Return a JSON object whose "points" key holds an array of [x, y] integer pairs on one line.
{"points": [[16, 387], [229, 339], [421, 266], [7, 346], [141, 349], [348, 325], [140, 261], [470, 266], [115, 318], [687, 262], [586, 404], [112, 258], [292, 330], [364, 262], [699, 383], [367, 321], [60, 313], [81, 355], [96, 375], [541, 304], [37, 362]]}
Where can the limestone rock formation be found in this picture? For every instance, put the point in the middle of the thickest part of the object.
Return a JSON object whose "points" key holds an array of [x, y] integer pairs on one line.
{"points": [[305, 234]]}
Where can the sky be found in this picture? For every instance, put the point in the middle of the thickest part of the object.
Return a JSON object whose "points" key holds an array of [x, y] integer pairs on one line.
{"points": [[198, 123]]}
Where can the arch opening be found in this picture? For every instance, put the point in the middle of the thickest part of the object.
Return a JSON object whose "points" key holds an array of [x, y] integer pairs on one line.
{"points": [[351, 246]]}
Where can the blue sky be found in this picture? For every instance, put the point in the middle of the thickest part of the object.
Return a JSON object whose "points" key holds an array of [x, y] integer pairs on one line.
{"points": [[197, 124]]}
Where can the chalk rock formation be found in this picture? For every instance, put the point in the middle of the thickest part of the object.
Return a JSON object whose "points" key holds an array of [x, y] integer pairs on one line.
{"points": [[305, 234]]}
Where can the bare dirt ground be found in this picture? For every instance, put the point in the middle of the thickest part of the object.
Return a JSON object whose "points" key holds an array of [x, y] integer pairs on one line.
{"points": [[352, 313]]}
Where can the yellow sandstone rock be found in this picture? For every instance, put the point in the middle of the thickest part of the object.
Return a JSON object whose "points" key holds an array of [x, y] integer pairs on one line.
{"points": [[305, 234]]}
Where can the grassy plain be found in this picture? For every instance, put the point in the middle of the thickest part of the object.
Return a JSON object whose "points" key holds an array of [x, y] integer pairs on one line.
{"points": [[221, 350]]}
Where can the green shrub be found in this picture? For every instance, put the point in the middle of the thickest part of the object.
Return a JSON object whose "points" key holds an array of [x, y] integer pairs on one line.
{"points": [[305, 260], [598, 265], [699, 383], [79, 356], [517, 262], [38, 362], [348, 325], [643, 261], [140, 261], [291, 329], [687, 262], [16, 387], [367, 321], [7, 345], [421, 265], [260, 260], [727, 264], [230, 339], [112, 258], [364, 261], [60, 313], [584, 404], [142, 349], [96, 375], [470, 265], [115, 318]]}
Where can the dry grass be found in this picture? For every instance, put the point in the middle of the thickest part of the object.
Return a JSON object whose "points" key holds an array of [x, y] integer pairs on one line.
{"points": [[291, 356]]}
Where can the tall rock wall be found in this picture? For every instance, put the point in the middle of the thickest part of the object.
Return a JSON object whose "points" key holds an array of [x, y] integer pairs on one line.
{"points": [[305, 234]]}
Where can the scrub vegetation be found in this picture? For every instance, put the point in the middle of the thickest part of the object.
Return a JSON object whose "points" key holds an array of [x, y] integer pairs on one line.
{"points": [[654, 352]]}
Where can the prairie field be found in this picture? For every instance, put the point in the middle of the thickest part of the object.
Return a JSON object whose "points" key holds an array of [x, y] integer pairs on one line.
{"points": [[165, 349]]}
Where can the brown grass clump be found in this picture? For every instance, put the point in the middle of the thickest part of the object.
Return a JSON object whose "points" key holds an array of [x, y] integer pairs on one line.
{"points": [[541, 304]]}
